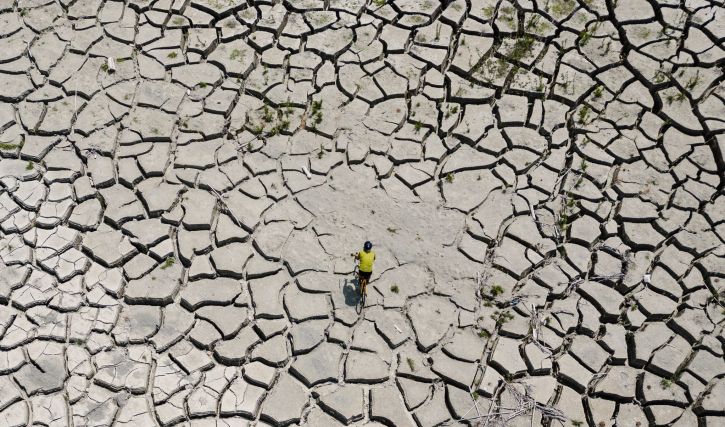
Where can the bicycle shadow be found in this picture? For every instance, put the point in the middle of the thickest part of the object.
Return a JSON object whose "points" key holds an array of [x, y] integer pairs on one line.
{"points": [[351, 292]]}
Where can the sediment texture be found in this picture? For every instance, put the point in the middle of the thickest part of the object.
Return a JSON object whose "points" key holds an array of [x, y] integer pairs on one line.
{"points": [[542, 181]]}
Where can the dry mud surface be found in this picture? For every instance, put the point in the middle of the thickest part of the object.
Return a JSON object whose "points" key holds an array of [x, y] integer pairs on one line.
{"points": [[543, 181]]}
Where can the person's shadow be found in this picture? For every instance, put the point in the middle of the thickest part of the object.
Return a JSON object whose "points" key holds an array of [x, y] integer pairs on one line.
{"points": [[350, 292]]}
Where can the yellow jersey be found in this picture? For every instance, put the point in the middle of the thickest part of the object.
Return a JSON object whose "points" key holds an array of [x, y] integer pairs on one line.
{"points": [[366, 261]]}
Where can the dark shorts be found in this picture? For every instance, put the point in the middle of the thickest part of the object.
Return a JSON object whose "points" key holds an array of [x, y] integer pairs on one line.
{"points": [[365, 275]]}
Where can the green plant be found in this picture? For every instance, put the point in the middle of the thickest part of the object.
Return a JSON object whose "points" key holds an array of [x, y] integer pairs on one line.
{"points": [[584, 114], [659, 76], [507, 15], [258, 129], [693, 81], [267, 114], [418, 126], [104, 67], [316, 113], [521, 48], [501, 317], [644, 32], [178, 21], [30, 166], [449, 177], [598, 91], [379, 3], [577, 423], [560, 8], [666, 383], [236, 53], [586, 35], [496, 290], [533, 23], [168, 263], [484, 334], [172, 55], [394, 289], [6, 146], [392, 230]]}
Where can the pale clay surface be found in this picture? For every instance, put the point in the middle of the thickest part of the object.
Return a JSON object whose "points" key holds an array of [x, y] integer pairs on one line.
{"points": [[542, 181]]}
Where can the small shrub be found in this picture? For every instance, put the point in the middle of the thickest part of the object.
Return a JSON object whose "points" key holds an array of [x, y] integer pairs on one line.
{"points": [[521, 48], [236, 53], [496, 290], [172, 55], [394, 289], [501, 317], [168, 263], [449, 178], [584, 114], [30, 166], [693, 82]]}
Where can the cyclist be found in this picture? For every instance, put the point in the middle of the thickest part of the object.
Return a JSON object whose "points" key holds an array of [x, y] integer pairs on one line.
{"points": [[365, 258]]}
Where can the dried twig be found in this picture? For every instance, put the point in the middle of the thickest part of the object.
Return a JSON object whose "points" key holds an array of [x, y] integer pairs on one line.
{"points": [[525, 405]]}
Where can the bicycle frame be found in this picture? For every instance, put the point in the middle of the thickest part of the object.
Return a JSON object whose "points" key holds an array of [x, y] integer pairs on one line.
{"points": [[363, 283]]}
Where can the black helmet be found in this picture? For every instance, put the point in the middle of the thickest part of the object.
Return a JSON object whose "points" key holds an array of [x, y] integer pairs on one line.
{"points": [[367, 246]]}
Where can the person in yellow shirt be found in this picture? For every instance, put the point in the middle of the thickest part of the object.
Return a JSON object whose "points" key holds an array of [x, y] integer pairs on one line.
{"points": [[365, 258]]}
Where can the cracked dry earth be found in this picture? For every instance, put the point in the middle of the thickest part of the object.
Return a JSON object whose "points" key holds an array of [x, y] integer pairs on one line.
{"points": [[543, 181]]}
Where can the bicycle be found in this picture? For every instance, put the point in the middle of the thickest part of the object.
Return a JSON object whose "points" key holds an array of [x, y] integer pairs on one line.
{"points": [[362, 286]]}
